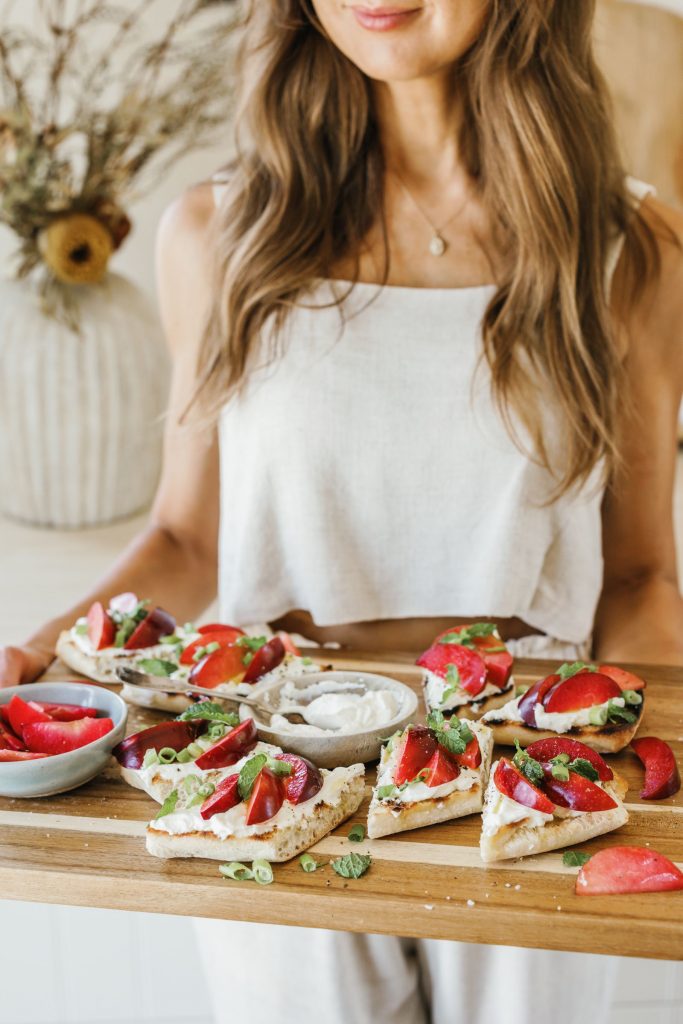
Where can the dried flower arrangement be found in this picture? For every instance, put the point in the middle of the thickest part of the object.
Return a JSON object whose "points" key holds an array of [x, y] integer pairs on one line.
{"points": [[80, 124]]}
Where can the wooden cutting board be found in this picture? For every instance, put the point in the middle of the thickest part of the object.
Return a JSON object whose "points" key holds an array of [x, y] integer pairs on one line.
{"points": [[87, 848]]}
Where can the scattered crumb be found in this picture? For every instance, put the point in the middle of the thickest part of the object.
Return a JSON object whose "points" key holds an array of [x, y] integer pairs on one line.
{"points": [[449, 897], [508, 885], [486, 895], [86, 844], [429, 906], [471, 903], [518, 887], [558, 907]]}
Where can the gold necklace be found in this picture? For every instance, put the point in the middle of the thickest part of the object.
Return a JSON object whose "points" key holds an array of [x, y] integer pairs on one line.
{"points": [[437, 243]]}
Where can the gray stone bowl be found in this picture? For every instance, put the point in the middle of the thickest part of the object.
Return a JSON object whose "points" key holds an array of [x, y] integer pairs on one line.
{"points": [[336, 749], [61, 772]]}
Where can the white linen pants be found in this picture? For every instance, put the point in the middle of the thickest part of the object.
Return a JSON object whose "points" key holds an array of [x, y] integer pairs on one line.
{"points": [[274, 974]]}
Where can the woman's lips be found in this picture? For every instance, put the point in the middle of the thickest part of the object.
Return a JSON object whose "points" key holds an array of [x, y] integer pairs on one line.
{"points": [[379, 19]]}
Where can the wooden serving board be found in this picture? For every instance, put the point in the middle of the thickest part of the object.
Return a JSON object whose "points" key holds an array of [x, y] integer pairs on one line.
{"points": [[87, 848]]}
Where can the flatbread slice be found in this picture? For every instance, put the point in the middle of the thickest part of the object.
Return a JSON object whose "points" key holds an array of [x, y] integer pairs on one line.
{"points": [[294, 828], [534, 832], [415, 806]]}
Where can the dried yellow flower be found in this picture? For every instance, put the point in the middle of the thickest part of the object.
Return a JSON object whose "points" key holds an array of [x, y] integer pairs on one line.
{"points": [[77, 248]]}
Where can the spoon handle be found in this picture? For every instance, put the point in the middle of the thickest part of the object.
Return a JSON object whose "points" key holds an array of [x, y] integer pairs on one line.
{"points": [[132, 677]]}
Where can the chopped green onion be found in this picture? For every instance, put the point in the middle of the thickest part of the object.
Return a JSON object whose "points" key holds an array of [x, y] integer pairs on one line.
{"points": [[206, 789], [263, 872], [632, 697], [217, 731], [560, 771], [150, 758], [194, 750], [575, 858], [82, 628], [183, 756], [357, 834], [239, 872], [191, 783], [597, 715], [167, 755], [307, 862], [169, 804]]}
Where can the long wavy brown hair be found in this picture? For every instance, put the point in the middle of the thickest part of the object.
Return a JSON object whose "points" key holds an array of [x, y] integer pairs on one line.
{"points": [[306, 186]]}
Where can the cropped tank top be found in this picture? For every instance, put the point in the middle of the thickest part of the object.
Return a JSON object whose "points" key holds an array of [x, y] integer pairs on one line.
{"points": [[366, 473]]}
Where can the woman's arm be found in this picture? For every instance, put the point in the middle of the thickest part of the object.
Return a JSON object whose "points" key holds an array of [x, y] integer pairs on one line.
{"points": [[640, 615], [173, 560]]}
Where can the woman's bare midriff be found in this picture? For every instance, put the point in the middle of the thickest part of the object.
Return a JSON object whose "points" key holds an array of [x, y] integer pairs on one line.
{"points": [[390, 634]]}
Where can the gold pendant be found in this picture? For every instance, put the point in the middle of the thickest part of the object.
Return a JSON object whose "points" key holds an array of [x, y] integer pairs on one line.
{"points": [[437, 246]]}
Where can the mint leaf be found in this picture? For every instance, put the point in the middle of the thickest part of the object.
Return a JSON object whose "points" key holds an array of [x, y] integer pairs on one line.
{"points": [[211, 712], [573, 668], [527, 765], [575, 858], [169, 805], [583, 767], [157, 666], [468, 634], [619, 714], [357, 834], [453, 734], [248, 775], [352, 865]]}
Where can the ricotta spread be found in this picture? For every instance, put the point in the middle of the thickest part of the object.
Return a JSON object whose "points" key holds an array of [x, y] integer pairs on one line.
{"points": [[436, 687], [233, 822], [555, 721], [332, 706]]}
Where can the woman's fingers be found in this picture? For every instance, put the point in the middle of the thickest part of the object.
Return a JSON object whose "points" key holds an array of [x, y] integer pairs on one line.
{"points": [[21, 665]]}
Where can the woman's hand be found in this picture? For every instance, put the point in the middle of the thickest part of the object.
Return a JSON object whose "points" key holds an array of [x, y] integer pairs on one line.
{"points": [[22, 664]]}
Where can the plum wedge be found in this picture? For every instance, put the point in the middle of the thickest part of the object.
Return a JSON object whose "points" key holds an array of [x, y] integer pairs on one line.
{"points": [[662, 778], [627, 869]]}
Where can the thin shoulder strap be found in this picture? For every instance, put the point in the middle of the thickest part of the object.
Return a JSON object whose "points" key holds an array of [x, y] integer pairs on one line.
{"points": [[638, 190]]}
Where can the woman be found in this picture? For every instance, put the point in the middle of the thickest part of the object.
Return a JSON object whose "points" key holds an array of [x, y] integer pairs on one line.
{"points": [[492, 433]]}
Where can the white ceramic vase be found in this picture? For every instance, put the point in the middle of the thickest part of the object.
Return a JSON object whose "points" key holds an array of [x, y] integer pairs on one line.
{"points": [[80, 413]]}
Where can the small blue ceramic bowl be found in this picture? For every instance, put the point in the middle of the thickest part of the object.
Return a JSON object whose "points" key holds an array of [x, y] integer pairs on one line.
{"points": [[61, 772]]}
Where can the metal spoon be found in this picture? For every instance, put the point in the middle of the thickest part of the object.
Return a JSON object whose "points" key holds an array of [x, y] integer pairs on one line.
{"points": [[132, 677]]}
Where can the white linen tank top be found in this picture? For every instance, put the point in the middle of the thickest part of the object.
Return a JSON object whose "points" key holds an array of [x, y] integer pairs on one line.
{"points": [[366, 474]]}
